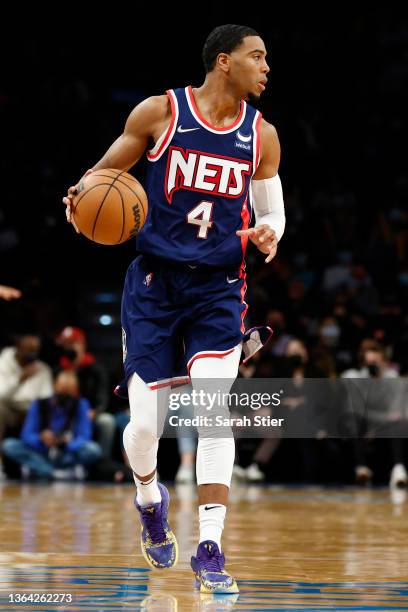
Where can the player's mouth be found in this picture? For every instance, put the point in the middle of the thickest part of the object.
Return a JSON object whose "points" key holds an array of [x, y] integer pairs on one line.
{"points": [[262, 84]]}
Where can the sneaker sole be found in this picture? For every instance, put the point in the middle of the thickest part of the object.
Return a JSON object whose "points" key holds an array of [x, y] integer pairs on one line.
{"points": [[225, 590]]}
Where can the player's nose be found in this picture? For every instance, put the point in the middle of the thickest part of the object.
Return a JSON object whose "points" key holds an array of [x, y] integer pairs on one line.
{"points": [[265, 68]]}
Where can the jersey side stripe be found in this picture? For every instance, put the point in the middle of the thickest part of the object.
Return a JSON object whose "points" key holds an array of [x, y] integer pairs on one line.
{"points": [[169, 382], [164, 140], [257, 140], [205, 354], [245, 216]]}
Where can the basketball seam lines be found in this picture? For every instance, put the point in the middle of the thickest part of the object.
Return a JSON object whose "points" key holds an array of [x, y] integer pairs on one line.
{"points": [[115, 179], [87, 191], [126, 185], [102, 203], [123, 216]]}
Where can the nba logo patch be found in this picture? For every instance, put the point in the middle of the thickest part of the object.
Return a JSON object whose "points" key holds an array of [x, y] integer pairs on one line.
{"points": [[124, 347], [148, 279]]}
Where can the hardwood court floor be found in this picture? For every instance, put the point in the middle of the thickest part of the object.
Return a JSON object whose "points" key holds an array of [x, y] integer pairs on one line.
{"points": [[289, 548]]}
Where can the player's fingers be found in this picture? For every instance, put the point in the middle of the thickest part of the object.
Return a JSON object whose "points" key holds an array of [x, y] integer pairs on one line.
{"points": [[72, 190], [9, 293], [266, 233], [272, 251], [67, 201], [247, 232], [68, 209], [69, 213], [70, 219]]}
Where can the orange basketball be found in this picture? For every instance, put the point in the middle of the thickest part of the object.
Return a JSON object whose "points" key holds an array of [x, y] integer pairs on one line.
{"points": [[110, 206]]}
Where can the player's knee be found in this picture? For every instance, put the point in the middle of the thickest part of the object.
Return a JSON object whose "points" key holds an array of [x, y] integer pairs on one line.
{"points": [[140, 435]]}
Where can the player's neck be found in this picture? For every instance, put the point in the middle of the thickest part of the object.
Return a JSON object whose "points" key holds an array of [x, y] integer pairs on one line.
{"points": [[216, 101]]}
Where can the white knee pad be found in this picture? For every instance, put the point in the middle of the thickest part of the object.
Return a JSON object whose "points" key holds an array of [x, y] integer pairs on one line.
{"points": [[142, 433], [215, 460]]}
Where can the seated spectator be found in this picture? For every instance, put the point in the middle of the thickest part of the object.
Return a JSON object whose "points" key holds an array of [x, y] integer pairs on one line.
{"points": [[93, 384], [373, 364], [57, 434], [23, 378], [300, 408]]}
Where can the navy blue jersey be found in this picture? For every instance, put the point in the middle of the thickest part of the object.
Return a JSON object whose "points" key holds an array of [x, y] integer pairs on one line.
{"points": [[198, 185]]}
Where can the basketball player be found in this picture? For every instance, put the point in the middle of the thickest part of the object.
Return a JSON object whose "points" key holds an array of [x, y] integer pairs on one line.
{"points": [[206, 148]]}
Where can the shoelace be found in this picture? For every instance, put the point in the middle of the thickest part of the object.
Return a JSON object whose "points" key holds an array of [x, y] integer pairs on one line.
{"points": [[213, 562], [154, 525]]}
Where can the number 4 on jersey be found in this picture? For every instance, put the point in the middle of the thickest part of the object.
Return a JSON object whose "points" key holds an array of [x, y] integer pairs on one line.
{"points": [[201, 215]]}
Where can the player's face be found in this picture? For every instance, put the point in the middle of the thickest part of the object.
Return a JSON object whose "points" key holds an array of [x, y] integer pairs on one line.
{"points": [[248, 67]]}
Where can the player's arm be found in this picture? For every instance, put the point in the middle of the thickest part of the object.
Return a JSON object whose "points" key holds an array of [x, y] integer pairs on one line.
{"points": [[146, 122], [267, 195]]}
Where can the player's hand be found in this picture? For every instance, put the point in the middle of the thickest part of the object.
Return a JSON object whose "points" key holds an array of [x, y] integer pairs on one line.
{"points": [[9, 293], [264, 238], [69, 203], [68, 200]]}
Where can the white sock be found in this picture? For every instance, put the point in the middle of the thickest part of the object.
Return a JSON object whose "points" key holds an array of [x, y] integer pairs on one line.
{"points": [[147, 492], [211, 522]]}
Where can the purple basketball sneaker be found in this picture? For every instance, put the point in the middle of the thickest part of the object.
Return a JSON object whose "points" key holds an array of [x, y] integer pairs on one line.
{"points": [[158, 542], [208, 568]]}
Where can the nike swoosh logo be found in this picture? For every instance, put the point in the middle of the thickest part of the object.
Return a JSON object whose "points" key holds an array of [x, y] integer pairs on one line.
{"points": [[244, 138], [211, 507], [182, 130], [232, 280]]}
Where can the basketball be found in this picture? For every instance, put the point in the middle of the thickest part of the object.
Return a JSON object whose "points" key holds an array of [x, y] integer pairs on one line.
{"points": [[110, 206]]}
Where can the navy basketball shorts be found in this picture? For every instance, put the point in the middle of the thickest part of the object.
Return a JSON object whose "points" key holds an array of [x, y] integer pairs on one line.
{"points": [[174, 315]]}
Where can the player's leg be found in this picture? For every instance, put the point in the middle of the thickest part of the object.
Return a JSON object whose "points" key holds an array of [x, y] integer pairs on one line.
{"points": [[215, 460], [148, 322], [141, 440]]}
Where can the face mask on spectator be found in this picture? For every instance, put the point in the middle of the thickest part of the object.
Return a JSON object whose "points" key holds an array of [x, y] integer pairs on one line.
{"points": [[70, 354], [30, 357], [64, 399], [295, 361], [374, 370]]}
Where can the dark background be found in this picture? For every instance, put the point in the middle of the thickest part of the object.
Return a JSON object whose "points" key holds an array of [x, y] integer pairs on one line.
{"points": [[338, 97]]}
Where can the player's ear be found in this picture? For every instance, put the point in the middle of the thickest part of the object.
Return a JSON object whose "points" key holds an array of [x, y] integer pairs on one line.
{"points": [[223, 61]]}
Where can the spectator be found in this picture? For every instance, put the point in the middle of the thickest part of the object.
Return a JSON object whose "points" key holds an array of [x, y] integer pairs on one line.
{"points": [[93, 384], [56, 434], [23, 378], [378, 412]]}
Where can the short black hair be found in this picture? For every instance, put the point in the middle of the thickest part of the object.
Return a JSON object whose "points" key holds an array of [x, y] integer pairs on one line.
{"points": [[224, 39]]}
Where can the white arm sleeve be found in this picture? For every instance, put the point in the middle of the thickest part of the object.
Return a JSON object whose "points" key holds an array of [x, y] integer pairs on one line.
{"points": [[267, 200]]}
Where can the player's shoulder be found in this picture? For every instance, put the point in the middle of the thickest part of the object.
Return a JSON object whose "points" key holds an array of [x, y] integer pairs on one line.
{"points": [[158, 106], [268, 130], [149, 116]]}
